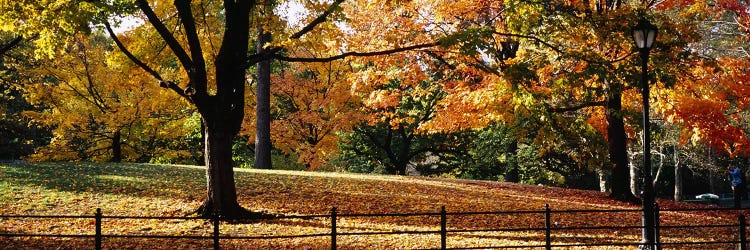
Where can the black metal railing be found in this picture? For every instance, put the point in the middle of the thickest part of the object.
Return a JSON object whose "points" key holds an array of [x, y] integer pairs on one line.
{"points": [[549, 241]]}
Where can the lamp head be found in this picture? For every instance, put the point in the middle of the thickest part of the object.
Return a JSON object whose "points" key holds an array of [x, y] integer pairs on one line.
{"points": [[644, 34]]}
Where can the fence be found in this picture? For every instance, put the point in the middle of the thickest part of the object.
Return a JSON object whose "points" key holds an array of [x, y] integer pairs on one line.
{"points": [[549, 227]]}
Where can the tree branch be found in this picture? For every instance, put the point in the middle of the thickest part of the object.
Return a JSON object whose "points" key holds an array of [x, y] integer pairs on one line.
{"points": [[198, 70], [354, 53], [440, 59], [320, 19], [272, 52], [12, 44], [576, 107], [165, 34], [545, 43], [142, 65]]}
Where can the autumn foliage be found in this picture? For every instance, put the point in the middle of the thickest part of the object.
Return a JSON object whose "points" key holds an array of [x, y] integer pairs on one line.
{"points": [[182, 79], [96, 102], [313, 103]]}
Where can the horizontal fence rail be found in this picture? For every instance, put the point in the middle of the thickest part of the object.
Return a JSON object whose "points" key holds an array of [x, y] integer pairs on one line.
{"points": [[546, 228]]}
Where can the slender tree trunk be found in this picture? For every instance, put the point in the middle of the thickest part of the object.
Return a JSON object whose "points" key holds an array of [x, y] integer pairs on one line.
{"points": [[603, 180], [513, 174], [658, 170], [743, 186], [617, 142], [263, 106], [711, 182], [116, 147], [633, 177], [677, 175]]}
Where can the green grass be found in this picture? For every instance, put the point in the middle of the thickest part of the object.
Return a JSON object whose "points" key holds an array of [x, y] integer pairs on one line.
{"points": [[169, 190]]}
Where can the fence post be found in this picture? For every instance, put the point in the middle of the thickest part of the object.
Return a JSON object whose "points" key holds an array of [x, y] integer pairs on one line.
{"points": [[656, 226], [443, 228], [547, 227], [743, 234], [98, 229], [215, 219], [333, 228]]}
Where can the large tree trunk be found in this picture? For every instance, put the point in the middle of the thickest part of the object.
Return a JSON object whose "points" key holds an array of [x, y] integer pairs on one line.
{"points": [[263, 106], [222, 195], [617, 142], [223, 115], [223, 112], [404, 150], [401, 168]]}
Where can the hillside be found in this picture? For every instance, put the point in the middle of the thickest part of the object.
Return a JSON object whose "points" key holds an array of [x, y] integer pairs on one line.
{"points": [[166, 190]]}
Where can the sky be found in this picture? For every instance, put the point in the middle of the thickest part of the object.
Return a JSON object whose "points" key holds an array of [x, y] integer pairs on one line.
{"points": [[292, 11]]}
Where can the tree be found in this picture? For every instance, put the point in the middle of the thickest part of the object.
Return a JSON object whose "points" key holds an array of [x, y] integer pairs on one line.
{"points": [[582, 61], [212, 80], [312, 104], [389, 138], [100, 108], [709, 103], [21, 135], [575, 62]]}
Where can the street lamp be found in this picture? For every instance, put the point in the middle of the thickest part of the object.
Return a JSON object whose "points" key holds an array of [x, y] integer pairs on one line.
{"points": [[644, 35]]}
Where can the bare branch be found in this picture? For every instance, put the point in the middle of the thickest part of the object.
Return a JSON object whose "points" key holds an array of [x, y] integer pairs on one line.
{"points": [[142, 65], [576, 107], [185, 13], [12, 44], [272, 53], [355, 54], [165, 34], [320, 19]]}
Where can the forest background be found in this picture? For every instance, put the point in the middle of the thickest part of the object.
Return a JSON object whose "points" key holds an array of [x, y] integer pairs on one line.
{"points": [[536, 92]]}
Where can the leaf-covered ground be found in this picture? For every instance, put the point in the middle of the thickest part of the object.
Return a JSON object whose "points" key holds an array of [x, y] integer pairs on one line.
{"points": [[159, 190]]}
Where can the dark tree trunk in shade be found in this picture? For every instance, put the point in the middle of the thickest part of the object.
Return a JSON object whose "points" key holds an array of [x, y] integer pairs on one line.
{"points": [[116, 147], [618, 154], [513, 174], [222, 195]]}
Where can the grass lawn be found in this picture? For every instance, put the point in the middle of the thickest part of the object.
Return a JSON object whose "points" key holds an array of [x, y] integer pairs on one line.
{"points": [[167, 190]]}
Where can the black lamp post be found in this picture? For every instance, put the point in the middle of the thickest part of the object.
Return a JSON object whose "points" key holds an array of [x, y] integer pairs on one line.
{"points": [[644, 35]]}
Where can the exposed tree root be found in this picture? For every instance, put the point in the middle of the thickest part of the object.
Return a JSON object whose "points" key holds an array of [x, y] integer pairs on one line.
{"points": [[232, 212]]}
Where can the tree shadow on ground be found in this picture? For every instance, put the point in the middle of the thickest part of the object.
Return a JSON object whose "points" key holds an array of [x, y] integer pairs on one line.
{"points": [[143, 180]]}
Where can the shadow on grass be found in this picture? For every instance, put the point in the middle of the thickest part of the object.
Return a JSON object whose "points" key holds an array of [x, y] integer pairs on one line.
{"points": [[116, 179]]}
